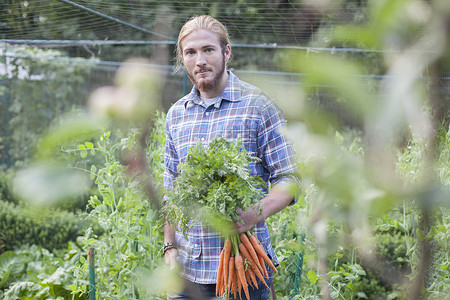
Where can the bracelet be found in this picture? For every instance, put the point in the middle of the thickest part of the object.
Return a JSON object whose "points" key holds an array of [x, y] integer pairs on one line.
{"points": [[167, 246]]}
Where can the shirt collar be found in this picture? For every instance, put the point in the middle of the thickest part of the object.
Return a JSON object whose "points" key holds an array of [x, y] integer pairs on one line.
{"points": [[232, 92]]}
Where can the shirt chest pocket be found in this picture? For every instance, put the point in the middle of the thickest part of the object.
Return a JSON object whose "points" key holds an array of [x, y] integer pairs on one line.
{"points": [[246, 130]]}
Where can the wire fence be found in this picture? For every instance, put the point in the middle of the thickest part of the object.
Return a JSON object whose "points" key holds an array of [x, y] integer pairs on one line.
{"points": [[35, 89]]}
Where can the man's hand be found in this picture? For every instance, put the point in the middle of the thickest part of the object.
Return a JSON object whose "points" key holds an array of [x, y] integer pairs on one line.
{"points": [[170, 256], [250, 219], [278, 198]]}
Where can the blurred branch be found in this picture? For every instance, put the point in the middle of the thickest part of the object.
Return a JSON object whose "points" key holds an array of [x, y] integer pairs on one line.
{"points": [[439, 31], [322, 270], [137, 166]]}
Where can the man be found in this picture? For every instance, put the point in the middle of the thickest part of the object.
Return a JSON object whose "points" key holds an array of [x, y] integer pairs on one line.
{"points": [[220, 105]]}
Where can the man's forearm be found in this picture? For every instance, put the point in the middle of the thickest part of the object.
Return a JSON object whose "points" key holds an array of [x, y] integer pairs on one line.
{"points": [[278, 198], [169, 233]]}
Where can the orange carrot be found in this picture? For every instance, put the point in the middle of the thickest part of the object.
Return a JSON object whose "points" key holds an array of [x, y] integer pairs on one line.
{"points": [[259, 274], [234, 282], [231, 273], [239, 262], [219, 281], [239, 288], [253, 266], [247, 276], [222, 291], [251, 250], [253, 277], [261, 261], [259, 248], [243, 250], [232, 290], [227, 254]]}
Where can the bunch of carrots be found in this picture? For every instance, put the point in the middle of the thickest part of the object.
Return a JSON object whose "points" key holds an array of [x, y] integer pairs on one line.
{"points": [[242, 260]]}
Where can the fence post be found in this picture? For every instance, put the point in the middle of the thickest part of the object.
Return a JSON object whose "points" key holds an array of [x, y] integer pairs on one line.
{"points": [[298, 270], [91, 256]]}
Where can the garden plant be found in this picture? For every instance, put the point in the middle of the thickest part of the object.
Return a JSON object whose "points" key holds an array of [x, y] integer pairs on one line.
{"points": [[372, 218]]}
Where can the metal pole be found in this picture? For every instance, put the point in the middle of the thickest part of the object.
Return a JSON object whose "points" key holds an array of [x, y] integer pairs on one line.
{"points": [[91, 256]]}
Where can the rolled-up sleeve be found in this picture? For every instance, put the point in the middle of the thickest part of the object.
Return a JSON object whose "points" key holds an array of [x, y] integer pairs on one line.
{"points": [[276, 151]]}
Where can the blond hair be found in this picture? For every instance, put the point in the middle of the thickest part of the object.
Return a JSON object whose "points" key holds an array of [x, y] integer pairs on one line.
{"points": [[203, 22]]}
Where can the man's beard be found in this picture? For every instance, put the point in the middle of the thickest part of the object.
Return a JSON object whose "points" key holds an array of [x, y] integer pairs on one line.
{"points": [[207, 85]]}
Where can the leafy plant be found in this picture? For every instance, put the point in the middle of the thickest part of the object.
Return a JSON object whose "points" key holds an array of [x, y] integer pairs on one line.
{"points": [[131, 243], [43, 226], [40, 93], [32, 272], [212, 184], [155, 148]]}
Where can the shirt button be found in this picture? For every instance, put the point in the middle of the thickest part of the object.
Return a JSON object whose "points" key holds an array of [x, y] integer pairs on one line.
{"points": [[203, 139], [207, 114], [196, 246]]}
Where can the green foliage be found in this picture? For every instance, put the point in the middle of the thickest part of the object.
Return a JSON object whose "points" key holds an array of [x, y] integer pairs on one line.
{"points": [[369, 287], [35, 273], [410, 163], [130, 246], [42, 226], [287, 231], [396, 237], [344, 280], [355, 196], [155, 148], [35, 17], [40, 92], [443, 153], [385, 18], [212, 184], [125, 221], [392, 248], [6, 193], [368, 213], [438, 281]]}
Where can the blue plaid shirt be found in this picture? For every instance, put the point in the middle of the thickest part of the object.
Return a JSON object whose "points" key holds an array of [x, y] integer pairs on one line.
{"points": [[241, 110]]}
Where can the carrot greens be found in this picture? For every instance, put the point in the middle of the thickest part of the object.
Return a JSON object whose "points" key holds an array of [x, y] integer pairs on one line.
{"points": [[213, 183]]}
